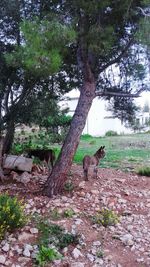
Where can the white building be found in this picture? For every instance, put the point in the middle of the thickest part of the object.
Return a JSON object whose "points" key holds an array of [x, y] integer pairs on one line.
{"points": [[97, 123]]}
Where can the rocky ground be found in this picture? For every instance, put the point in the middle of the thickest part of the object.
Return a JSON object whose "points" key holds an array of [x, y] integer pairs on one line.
{"points": [[126, 244]]}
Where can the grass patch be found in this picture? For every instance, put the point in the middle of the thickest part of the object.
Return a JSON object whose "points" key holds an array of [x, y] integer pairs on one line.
{"points": [[122, 152], [145, 171]]}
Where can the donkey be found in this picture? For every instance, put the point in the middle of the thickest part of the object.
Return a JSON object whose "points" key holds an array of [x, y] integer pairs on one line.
{"points": [[93, 161], [47, 155]]}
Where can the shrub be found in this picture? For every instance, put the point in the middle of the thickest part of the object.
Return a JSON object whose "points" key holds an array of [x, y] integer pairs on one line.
{"points": [[86, 136], [145, 171], [111, 133], [69, 186], [55, 235], [66, 239], [46, 254], [105, 217], [69, 213], [55, 214], [11, 214]]}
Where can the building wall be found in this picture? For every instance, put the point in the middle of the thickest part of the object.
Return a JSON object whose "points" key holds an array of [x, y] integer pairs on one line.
{"points": [[97, 124]]}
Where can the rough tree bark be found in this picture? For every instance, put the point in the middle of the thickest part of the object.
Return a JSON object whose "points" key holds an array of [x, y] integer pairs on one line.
{"points": [[57, 178], [5, 145], [1, 159], [9, 136]]}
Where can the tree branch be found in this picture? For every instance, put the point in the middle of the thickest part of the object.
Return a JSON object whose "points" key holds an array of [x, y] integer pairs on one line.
{"points": [[111, 94], [143, 12], [117, 59]]}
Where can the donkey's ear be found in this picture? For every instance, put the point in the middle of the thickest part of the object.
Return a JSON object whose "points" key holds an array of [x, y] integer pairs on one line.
{"points": [[103, 147]]}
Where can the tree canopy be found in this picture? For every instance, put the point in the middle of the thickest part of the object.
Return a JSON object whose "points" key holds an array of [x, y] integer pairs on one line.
{"points": [[87, 44]]}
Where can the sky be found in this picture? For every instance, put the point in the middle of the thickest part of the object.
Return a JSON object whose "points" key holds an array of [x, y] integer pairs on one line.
{"points": [[144, 98]]}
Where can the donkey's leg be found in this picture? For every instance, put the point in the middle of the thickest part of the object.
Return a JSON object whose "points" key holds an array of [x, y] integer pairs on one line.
{"points": [[95, 172], [85, 174]]}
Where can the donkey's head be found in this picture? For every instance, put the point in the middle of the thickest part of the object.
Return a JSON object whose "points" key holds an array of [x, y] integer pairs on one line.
{"points": [[100, 152]]}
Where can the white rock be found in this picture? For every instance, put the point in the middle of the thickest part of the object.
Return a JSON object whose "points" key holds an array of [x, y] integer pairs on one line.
{"points": [[96, 243], [77, 264], [26, 253], [29, 247], [2, 259], [82, 185], [78, 221], [34, 231], [127, 239], [90, 257], [6, 247], [99, 262], [76, 253]]}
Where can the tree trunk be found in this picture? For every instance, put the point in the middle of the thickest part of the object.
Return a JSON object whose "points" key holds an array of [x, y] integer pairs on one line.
{"points": [[9, 137], [57, 178], [1, 159]]}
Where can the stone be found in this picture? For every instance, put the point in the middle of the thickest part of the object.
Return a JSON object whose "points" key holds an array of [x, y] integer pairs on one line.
{"points": [[24, 236], [6, 247], [127, 239], [90, 257], [77, 264], [82, 185], [26, 253], [99, 262], [76, 253], [96, 243], [2, 259], [19, 163], [34, 231]]}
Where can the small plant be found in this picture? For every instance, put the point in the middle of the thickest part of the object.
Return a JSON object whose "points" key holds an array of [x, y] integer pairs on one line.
{"points": [[55, 214], [69, 213], [11, 214], [100, 253], [46, 254], [105, 217], [145, 171], [67, 239], [55, 235], [111, 133], [69, 186]]}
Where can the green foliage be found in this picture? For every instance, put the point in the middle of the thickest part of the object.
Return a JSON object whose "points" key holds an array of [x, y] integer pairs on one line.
{"points": [[55, 214], [111, 133], [66, 239], [68, 213], [69, 186], [55, 235], [86, 137], [145, 171], [100, 253], [46, 255], [38, 140], [105, 217], [11, 214], [45, 43]]}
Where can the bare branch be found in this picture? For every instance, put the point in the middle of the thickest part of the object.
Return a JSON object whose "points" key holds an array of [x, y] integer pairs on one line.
{"points": [[143, 12], [106, 93]]}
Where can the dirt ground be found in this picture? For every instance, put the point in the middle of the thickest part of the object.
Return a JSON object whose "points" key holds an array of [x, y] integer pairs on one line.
{"points": [[127, 244]]}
